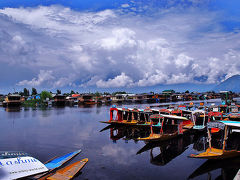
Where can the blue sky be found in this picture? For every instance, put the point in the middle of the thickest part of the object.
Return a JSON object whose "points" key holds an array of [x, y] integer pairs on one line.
{"points": [[118, 44]]}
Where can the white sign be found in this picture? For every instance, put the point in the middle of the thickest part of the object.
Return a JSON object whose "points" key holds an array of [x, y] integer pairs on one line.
{"points": [[13, 168]]}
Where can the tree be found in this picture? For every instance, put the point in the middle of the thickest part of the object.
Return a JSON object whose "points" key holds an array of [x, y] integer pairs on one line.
{"points": [[187, 91], [21, 93], [45, 94], [34, 91], [25, 92], [97, 94], [59, 91], [72, 92]]}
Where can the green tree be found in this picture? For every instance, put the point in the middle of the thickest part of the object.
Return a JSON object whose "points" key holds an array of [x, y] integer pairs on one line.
{"points": [[97, 94], [21, 93], [34, 91], [72, 92], [25, 92], [59, 91], [187, 91], [45, 94]]}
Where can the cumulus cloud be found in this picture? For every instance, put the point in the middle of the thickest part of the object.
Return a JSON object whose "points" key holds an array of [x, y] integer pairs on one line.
{"points": [[121, 80], [43, 77], [112, 49]]}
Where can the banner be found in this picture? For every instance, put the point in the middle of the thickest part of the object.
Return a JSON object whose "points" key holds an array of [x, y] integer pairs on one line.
{"points": [[13, 168]]}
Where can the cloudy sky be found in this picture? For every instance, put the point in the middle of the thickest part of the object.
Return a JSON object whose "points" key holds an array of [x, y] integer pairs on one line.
{"points": [[107, 44]]}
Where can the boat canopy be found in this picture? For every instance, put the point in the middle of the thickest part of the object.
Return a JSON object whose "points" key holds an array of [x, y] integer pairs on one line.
{"points": [[174, 117], [231, 123]]}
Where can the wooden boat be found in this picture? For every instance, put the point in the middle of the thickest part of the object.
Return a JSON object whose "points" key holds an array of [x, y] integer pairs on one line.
{"points": [[126, 116], [68, 172], [56, 163], [217, 153], [59, 100], [171, 126], [12, 100], [234, 116], [214, 153], [86, 99]]}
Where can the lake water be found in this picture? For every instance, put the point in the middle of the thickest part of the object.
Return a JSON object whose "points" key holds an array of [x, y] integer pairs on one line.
{"points": [[57, 131]]}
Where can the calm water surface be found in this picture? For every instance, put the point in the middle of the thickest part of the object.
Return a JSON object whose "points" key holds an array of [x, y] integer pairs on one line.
{"points": [[57, 131]]}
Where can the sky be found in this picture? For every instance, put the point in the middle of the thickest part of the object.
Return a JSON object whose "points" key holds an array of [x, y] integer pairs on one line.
{"points": [[118, 44]]}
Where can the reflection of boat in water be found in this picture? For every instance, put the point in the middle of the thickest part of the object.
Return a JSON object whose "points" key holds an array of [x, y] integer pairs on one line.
{"points": [[126, 132], [13, 109], [169, 149], [223, 143], [229, 168]]}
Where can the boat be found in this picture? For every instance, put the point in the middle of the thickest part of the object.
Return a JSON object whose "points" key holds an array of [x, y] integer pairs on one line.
{"points": [[68, 172], [59, 100], [86, 99], [171, 126], [118, 98], [222, 151], [55, 163], [126, 116], [12, 100]]}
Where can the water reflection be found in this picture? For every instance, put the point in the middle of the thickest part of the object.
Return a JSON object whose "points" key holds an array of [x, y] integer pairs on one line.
{"points": [[12, 109], [227, 167], [161, 153], [52, 131], [168, 150]]}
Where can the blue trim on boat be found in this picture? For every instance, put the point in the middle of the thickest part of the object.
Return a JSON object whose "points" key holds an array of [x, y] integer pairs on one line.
{"points": [[61, 160]]}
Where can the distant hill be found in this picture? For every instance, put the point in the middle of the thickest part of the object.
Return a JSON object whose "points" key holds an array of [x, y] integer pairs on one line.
{"points": [[230, 84]]}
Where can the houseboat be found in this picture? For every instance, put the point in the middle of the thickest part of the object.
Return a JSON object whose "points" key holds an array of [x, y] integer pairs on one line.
{"points": [[118, 98], [86, 99], [107, 99], [138, 98], [13, 100], [149, 98], [59, 100]]}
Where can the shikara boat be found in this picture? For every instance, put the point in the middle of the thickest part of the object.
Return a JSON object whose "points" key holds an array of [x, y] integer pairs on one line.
{"points": [[171, 126], [68, 172], [224, 152], [126, 116]]}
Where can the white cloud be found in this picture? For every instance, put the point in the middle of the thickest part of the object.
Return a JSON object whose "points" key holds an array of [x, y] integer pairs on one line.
{"points": [[111, 49], [121, 80], [43, 77], [122, 37]]}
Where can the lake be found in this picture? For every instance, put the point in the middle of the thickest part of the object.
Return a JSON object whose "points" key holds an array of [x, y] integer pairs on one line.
{"points": [[45, 133]]}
